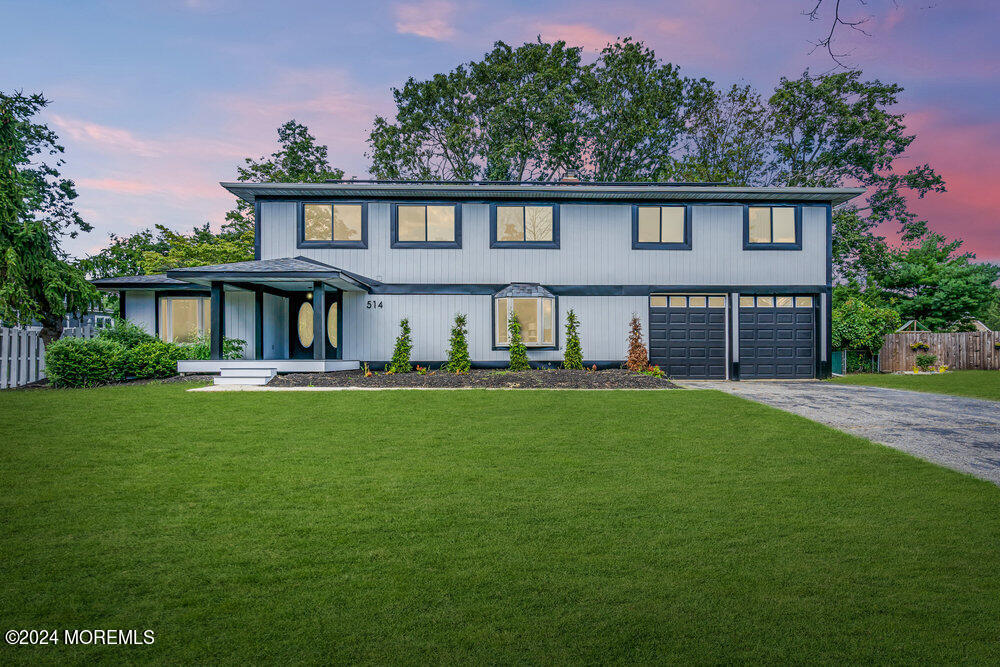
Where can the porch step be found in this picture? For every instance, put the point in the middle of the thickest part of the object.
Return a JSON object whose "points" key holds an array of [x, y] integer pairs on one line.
{"points": [[248, 372], [253, 376]]}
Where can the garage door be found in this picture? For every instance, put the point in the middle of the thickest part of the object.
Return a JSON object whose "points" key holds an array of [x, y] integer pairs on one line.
{"points": [[687, 335], [777, 337]]}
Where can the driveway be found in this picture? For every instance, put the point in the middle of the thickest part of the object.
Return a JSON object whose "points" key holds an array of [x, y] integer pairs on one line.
{"points": [[956, 432]]}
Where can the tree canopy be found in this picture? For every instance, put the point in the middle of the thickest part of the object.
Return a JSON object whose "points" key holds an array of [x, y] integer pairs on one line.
{"points": [[36, 210]]}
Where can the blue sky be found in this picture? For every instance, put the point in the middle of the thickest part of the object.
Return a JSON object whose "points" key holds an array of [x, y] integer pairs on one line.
{"points": [[158, 102]]}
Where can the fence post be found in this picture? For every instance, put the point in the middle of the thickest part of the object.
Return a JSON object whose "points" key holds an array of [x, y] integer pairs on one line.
{"points": [[4, 355]]}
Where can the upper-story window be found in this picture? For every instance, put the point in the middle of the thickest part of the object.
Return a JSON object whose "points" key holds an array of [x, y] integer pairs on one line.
{"points": [[333, 225], [426, 226], [772, 228], [661, 227], [524, 226]]}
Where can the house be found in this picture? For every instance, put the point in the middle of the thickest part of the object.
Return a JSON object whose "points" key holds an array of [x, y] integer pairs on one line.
{"points": [[730, 282]]}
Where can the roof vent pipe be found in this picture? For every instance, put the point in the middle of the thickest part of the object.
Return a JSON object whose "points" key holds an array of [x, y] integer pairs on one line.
{"points": [[570, 176]]}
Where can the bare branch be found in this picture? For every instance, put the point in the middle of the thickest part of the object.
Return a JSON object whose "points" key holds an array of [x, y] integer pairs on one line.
{"points": [[838, 21]]}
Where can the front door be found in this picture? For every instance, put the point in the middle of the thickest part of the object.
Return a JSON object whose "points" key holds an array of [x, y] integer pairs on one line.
{"points": [[301, 337]]}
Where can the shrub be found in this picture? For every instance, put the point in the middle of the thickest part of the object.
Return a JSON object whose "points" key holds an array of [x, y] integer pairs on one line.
{"points": [[860, 326], [129, 334], [518, 352], [638, 358], [925, 361], [573, 358], [78, 362], [401, 354], [458, 352], [154, 359], [201, 348]]}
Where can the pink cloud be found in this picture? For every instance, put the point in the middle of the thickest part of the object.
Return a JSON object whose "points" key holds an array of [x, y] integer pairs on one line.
{"points": [[433, 19], [106, 137], [576, 34]]}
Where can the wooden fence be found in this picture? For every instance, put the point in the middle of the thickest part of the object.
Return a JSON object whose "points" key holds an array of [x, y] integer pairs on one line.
{"points": [[959, 351], [22, 353]]}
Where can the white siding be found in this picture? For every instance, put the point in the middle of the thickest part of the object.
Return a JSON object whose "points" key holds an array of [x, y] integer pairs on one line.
{"points": [[239, 319], [140, 308], [596, 249], [369, 333]]}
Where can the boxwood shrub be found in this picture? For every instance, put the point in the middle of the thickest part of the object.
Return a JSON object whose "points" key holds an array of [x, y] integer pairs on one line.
{"points": [[154, 359], [127, 333], [79, 362]]}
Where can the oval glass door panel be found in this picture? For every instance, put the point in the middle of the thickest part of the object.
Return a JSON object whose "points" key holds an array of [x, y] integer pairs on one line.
{"points": [[306, 324], [331, 325]]}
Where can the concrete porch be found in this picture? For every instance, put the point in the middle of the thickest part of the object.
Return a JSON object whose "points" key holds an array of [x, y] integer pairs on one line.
{"points": [[278, 365]]}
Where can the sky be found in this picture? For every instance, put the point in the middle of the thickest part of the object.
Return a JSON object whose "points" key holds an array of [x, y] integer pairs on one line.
{"points": [[156, 102]]}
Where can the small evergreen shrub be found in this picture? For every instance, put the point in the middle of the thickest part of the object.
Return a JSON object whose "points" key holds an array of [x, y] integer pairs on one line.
{"points": [[154, 359], [401, 354], [458, 351], [201, 348], [79, 362], [925, 361], [573, 358], [129, 334], [518, 352], [638, 357]]}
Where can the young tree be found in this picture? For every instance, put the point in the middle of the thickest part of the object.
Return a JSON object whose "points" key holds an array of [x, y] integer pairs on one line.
{"points": [[573, 358], [36, 211], [638, 357], [518, 352], [400, 362], [299, 159], [458, 351]]}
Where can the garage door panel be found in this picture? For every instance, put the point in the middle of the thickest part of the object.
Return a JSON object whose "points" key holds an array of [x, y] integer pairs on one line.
{"points": [[777, 342], [691, 342]]}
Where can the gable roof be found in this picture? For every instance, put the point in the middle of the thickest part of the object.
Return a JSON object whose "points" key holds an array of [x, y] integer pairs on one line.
{"points": [[486, 190]]}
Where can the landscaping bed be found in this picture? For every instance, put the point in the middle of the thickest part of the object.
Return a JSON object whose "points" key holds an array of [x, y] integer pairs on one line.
{"points": [[616, 378]]}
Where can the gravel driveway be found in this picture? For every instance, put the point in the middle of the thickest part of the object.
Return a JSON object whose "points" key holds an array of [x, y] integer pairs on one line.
{"points": [[956, 432]]}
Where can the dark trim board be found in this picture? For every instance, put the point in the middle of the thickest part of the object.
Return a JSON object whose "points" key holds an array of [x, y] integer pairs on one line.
{"points": [[535, 363], [256, 230], [524, 245], [592, 290], [394, 241], [300, 226], [515, 198]]}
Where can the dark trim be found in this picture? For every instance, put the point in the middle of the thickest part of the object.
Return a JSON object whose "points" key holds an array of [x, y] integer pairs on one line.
{"points": [[825, 369], [637, 245], [516, 198], [319, 320], [149, 287], [394, 241], [602, 364], [340, 325], [121, 305], [590, 290], [772, 246], [256, 230], [263, 275], [555, 324], [300, 223], [523, 245], [267, 289], [258, 323], [218, 319]]}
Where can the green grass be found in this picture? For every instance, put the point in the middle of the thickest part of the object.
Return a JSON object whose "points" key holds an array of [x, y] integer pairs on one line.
{"points": [[977, 384], [482, 526]]}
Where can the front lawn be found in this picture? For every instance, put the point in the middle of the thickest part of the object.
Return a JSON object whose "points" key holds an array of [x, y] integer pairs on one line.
{"points": [[977, 384], [482, 526]]}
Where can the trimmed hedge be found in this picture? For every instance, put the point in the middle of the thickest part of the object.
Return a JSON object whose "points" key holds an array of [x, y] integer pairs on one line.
{"points": [[78, 362], [154, 359], [127, 333]]}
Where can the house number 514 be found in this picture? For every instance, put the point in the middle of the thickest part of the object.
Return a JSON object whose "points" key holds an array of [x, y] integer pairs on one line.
{"points": [[374, 304]]}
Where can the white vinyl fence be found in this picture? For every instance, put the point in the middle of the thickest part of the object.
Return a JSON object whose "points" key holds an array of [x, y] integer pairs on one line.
{"points": [[22, 353]]}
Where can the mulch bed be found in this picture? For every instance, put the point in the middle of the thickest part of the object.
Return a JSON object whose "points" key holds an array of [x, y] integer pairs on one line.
{"points": [[480, 378], [45, 384]]}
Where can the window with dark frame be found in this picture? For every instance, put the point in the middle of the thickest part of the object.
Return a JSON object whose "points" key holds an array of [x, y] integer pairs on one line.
{"points": [[425, 226], [333, 225], [524, 226], [772, 226]]}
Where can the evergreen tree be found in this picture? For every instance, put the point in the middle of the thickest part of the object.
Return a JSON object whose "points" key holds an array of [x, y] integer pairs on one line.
{"points": [[574, 352], [518, 352], [638, 358], [401, 354], [458, 352]]}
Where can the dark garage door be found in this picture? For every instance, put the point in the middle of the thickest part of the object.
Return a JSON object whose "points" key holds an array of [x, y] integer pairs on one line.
{"points": [[777, 337], [687, 336]]}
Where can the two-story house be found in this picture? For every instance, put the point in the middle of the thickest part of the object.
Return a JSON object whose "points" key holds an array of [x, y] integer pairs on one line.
{"points": [[730, 282]]}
